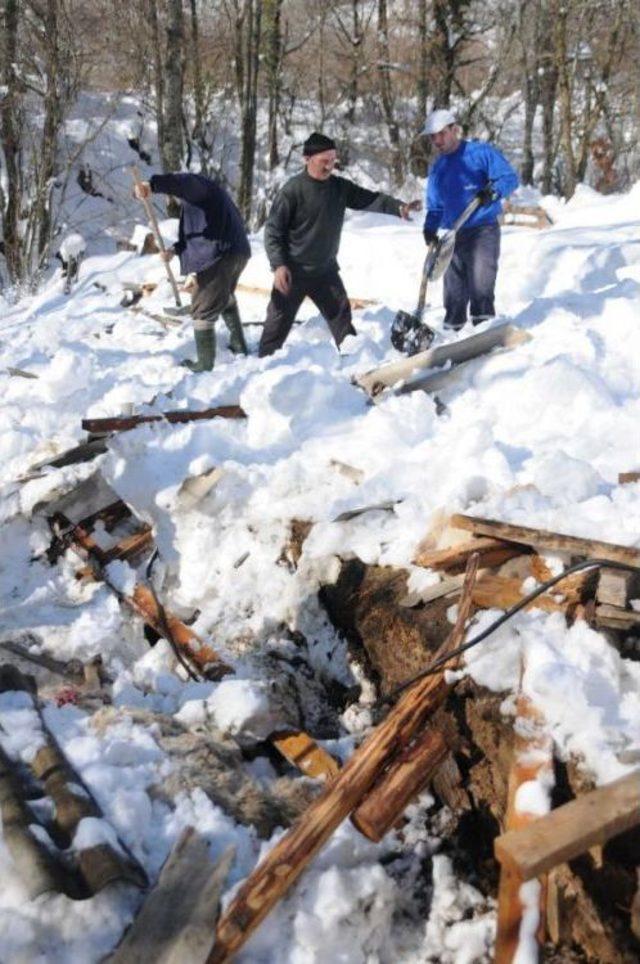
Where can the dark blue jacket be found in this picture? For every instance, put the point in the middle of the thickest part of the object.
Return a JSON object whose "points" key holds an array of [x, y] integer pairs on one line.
{"points": [[210, 223], [456, 178]]}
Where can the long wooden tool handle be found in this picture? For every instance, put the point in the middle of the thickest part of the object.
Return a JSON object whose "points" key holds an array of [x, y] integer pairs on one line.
{"points": [[153, 221]]}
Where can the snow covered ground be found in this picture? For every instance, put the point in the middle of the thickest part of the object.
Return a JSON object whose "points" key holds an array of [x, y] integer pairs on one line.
{"points": [[536, 435]]}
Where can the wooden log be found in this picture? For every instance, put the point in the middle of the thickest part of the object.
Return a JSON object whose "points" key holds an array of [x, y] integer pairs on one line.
{"points": [[453, 559], [175, 923], [404, 779], [447, 784], [99, 426], [39, 872], [572, 829], [303, 752], [501, 336], [544, 539], [533, 762], [294, 851]]}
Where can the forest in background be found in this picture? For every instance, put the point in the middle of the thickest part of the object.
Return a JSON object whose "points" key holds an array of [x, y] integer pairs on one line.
{"points": [[231, 87]]}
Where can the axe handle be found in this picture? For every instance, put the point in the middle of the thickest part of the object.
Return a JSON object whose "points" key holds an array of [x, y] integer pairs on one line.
{"points": [[153, 221]]}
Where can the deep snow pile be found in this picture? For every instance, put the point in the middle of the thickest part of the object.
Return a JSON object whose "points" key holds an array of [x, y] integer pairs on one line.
{"points": [[537, 435]]}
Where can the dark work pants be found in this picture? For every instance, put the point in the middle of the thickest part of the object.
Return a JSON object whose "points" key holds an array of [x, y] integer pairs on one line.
{"points": [[470, 279], [328, 294], [214, 294]]}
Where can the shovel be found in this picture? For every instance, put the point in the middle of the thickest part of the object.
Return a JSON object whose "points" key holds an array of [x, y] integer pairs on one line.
{"points": [[153, 221], [408, 331]]}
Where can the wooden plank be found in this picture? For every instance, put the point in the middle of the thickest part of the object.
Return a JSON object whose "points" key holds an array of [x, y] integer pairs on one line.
{"points": [[407, 775], [303, 752], [285, 862], [453, 559], [500, 336], [175, 923], [100, 426], [626, 478], [545, 539], [612, 617], [532, 762], [503, 592], [572, 829]]}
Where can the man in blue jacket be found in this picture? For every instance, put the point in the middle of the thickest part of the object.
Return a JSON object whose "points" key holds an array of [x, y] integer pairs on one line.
{"points": [[213, 248], [464, 170]]}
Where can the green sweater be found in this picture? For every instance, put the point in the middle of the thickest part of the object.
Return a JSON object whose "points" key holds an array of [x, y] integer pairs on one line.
{"points": [[305, 221]]}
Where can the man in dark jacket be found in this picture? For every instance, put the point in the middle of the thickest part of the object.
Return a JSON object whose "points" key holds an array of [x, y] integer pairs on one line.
{"points": [[213, 248], [302, 236]]}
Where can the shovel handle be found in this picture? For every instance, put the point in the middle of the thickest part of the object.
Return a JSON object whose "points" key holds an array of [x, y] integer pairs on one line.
{"points": [[153, 221]]}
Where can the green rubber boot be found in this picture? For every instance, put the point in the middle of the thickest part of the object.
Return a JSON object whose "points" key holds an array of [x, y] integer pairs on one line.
{"points": [[206, 350], [231, 318]]}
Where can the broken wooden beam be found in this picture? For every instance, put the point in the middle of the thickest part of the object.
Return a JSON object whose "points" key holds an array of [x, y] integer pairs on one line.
{"points": [[530, 781], [144, 602], [285, 862], [572, 829], [175, 922], [453, 559], [405, 778], [547, 540], [356, 303], [102, 426], [303, 752], [500, 336]]}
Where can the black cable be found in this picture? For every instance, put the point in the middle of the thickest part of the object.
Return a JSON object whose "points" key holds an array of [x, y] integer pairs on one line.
{"points": [[507, 614], [164, 622]]}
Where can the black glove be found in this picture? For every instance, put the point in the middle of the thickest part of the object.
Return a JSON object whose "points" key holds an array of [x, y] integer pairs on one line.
{"points": [[430, 237], [487, 195]]}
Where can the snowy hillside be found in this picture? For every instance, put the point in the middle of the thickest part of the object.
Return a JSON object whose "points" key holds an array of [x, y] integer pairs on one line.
{"points": [[537, 435]]}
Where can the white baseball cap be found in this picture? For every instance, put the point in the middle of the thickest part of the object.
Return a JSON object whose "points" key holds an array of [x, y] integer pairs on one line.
{"points": [[438, 120]]}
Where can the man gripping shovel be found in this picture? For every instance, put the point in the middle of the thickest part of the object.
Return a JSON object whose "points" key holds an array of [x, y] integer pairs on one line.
{"points": [[213, 249]]}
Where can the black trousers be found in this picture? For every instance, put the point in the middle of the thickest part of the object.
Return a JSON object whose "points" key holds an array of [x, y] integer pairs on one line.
{"points": [[328, 294]]}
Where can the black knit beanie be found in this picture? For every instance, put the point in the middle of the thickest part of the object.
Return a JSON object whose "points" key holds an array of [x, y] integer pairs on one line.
{"points": [[316, 143]]}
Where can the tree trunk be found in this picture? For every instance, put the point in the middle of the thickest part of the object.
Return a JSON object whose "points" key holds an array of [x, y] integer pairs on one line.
{"points": [[158, 74], [249, 103], [11, 144], [173, 145], [198, 90], [423, 61], [386, 94], [273, 64]]}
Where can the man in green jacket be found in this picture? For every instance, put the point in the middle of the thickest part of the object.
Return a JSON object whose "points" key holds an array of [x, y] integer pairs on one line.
{"points": [[302, 237]]}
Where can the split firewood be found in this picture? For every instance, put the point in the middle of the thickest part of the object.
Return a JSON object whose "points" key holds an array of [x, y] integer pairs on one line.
{"points": [[612, 617], [453, 559], [532, 770], [447, 783], [294, 851], [503, 592], [572, 829], [544, 539], [525, 215], [175, 923], [303, 752], [407, 775], [101, 426]]}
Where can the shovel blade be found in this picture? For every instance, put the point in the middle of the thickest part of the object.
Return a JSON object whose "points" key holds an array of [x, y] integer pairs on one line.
{"points": [[409, 334]]}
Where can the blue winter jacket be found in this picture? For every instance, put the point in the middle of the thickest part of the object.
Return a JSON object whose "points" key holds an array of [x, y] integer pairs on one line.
{"points": [[210, 223], [455, 178]]}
